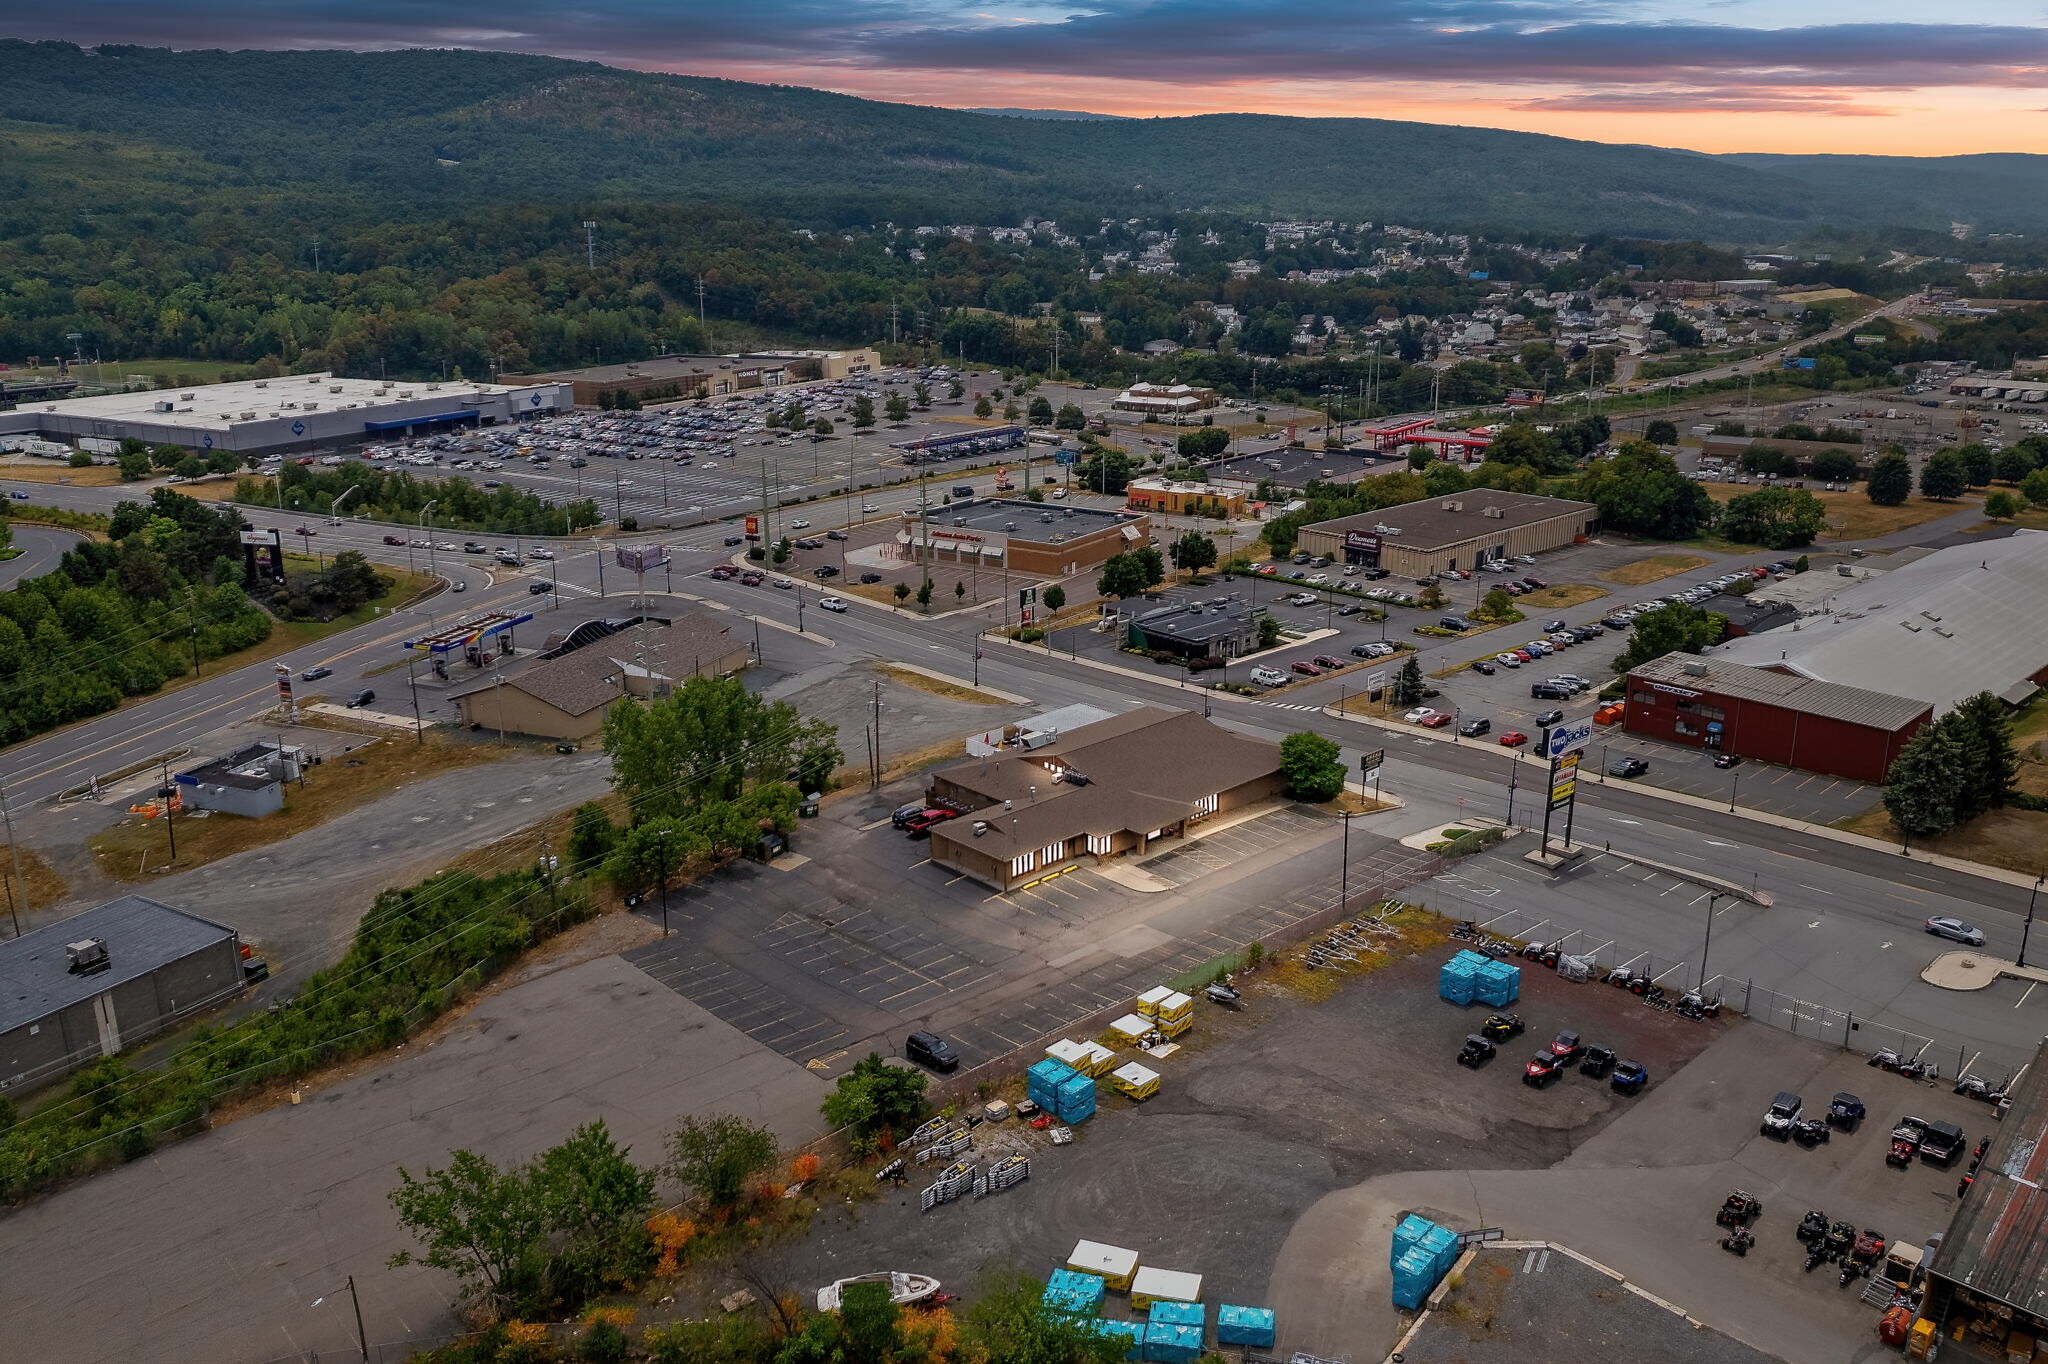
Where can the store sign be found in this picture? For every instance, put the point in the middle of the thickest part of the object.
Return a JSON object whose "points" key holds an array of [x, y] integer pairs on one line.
{"points": [[1564, 780], [1358, 539], [956, 535], [1676, 691], [1563, 739], [753, 527]]}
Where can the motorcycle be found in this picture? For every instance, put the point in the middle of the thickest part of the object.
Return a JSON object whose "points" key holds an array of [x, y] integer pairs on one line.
{"points": [[1812, 1227], [1738, 1241]]}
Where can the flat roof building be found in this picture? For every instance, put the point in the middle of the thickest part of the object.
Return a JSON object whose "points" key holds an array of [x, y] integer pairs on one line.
{"points": [[1103, 790], [296, 411], [1037, 539], [1217, 630], [250, 781], [1173, 497], [99, 982], [1771, 716], [661, 377], [1458, 530], [1297, 466], [1953, 623]]}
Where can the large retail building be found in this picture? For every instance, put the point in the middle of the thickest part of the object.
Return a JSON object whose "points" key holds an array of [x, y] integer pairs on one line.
{"points": [[1038, 539]]}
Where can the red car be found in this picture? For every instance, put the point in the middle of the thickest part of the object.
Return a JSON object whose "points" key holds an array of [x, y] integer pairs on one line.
{"points": [[393, 540], [919, 824], [1436, 721], [1527, 656], [1534, 584], [723, 572], [1329, 661], [1305, 668], [1514, 738]]}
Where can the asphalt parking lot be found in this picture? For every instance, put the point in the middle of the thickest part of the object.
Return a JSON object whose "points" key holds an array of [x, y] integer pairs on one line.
{"points": [[1260, 1116]]}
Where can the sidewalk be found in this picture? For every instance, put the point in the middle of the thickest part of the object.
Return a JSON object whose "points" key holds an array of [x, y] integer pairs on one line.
{"points": [[1976, 971]]}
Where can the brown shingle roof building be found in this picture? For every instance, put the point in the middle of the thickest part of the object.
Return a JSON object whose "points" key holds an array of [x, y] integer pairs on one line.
{"points": [[1103, 790], [566, 697]]}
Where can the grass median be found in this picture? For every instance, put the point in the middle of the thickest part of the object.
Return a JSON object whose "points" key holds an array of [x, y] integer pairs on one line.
{"points": [[1653, 568]]}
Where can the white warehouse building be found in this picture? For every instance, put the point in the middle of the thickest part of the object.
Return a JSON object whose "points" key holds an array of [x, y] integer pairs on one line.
{"points": [[294, 412]]}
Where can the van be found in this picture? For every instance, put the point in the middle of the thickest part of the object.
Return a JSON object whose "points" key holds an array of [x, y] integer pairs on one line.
{"points": [[1269, 677]]}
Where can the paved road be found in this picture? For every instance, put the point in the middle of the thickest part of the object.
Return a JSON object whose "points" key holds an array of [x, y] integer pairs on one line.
{"points": [[41, 547]]}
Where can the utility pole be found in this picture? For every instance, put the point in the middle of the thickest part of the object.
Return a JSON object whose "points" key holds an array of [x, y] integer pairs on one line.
{"points": [[590, 242], [700, 300], [192, 629], [895, 313], [169, 794], [316, 258], [419, 733], [14, 853], [875, 775]]}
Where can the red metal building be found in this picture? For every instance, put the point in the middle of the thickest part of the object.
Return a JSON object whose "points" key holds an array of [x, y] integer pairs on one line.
{"points": [[1771, 716]]}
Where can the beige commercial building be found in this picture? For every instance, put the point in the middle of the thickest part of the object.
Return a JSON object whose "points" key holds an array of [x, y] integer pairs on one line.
{"points": [[1459, 530], [1100, 791], [567, 697], [664, 377]]}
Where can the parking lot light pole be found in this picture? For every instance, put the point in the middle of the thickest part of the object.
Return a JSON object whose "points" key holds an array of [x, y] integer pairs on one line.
{"points": [[2027, 929], [1344, 876], [1732, 788], [1712, 899]]}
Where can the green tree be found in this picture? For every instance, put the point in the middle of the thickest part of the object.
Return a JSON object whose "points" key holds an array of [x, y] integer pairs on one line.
{"points": [[1430, 598], [870, 1325], [1105, 470], [1661, 432], [817, 757], [955, 389], [2002, 506], [1408, 684], [901, 591], [862, 412], [1313, 766], [1443, 478], [783, 549], [897, 407], [1420, 457], [1055, 598], [924, 596], [983, 407], [1979, 464], [1498, 604], [1041, 410], [959, 590], [1269, 631], [1834, 466], [1891, 480], [1983, 725], [1924, 786], [1640, 491], [1123, 577], [596, 1202], [716, 1156], [920, 396], [1519, 443], [167, 455], [822, 427], [2016, 463], [591, 834], [875, 1096], [1010, 1322], [481, 1224], [134, 464], [2034, 487], [1153, 562], [1193, 551], [1776, 518], [650, 853], [709, 741], [1678, 628], [1070, 418], [1943, 477], [79, 459]]}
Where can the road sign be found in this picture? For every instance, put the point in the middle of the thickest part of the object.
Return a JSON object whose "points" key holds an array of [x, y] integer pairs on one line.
{"points": [[1068, 457], [1377, 680], [1567, 738], [1369, 763]]}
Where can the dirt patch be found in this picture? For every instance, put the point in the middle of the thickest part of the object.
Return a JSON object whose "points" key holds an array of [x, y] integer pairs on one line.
{"points": [[351, 775], [2014, 839], [1564, 594], [901, 765], [951, 691], [1657, 566], [45, 886]]}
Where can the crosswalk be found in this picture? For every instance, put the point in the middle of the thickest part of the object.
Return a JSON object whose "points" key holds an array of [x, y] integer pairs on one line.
{"points": [[1287, 705]]}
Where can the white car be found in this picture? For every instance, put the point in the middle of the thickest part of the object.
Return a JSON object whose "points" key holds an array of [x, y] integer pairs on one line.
{"points": [[799, 525], [1507, 660], [1269, 677], [1418, 715], [832, 603], [540, 554]]}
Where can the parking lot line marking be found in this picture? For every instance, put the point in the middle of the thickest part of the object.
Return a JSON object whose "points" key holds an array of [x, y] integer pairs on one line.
{"points": [[2030, 990], [956, 880]]}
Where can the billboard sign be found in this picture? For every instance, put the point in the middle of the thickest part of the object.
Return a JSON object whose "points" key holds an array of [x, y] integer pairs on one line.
{"points": [[641, 558], [1376, 680], [1799, 362], [1567, 738], [262, 539], [753, 528]]}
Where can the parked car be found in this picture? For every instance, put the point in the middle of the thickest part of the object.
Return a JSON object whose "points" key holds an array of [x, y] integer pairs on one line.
{"points": [[1508, 660], [1436, 721], [1418, 715], [1541, 1069], [1514, 738], [825, 571], [1549, 718], [1555, 625], [1330, 661], [1305, 668], [1269, 677], [835, 535], [930, 1049], [1472, 729], [1535, 584], [1956, 930], [732, 540], [1485, 669], [1627, 767], [925, 821], [1727, 760]]}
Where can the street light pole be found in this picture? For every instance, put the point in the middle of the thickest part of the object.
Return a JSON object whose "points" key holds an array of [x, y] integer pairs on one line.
{"points": [[1344, 876], [2027, 930], [1707, 945], [428, 538]]}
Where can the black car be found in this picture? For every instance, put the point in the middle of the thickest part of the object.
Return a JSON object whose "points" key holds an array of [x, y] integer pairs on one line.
{"points": [[735, 540], [1627, 767], [1484, 669], [871, 577], [539, 588], [1551, 717], [362, 698], [930, 1049], [1726, 760], [1472, 729], [903, 814], [315, 674], [825, 571]]}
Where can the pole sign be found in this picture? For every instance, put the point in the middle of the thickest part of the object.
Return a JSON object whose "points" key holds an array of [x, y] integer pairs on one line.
{"points": [[753, 528], [1376, 680], [1564, 780], [1369, 763], [1566, 738]]}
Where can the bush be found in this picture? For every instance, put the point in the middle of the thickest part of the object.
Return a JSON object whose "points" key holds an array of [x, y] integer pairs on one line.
{"points": [[604, 1343]]}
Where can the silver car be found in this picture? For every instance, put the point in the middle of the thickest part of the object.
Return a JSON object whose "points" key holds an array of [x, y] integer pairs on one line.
{"points": [[1943, 926]]}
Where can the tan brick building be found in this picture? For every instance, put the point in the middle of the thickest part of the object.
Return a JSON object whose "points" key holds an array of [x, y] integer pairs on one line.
{"points": [[567, 697], [1035, 539]]}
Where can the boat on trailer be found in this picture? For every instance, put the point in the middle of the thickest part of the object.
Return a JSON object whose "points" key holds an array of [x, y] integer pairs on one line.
{"points": [[904, 1289]]}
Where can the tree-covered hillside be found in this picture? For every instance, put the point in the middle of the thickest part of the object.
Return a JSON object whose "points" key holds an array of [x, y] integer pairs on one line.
{"points": [[402, 134]]}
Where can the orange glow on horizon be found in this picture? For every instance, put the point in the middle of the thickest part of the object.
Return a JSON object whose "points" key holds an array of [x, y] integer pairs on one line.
{"points": [[1893, 122]]}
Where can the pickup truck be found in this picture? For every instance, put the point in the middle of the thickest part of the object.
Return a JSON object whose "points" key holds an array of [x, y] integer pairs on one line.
{"points": [[1943, 1143]]}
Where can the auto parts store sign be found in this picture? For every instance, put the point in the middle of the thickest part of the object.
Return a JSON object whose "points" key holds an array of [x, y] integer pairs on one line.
{"points": [[1563, 745], [1563, 739], [1363, 540]]}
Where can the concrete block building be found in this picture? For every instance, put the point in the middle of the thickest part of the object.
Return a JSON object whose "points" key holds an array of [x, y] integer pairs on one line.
{"points": [[99, 982], [1461, 530], [1035, 539]]}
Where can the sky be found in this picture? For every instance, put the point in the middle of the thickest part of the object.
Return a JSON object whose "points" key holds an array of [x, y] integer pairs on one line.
{"points": [[1880, 76]]}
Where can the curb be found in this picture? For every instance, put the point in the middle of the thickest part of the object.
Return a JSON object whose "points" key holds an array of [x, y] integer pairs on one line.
{"points": [[1943, 973]]}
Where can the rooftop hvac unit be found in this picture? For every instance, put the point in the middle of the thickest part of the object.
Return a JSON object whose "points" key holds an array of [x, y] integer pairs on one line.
{"points": [[1497, 513], [250, 416], [87, 956], [1695, 670], [310, 407], [334, 388], [161, 405], [1944, 633], [1910, 626]]}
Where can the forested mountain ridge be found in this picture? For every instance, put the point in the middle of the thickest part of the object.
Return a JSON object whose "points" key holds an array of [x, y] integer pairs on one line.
{"points": [[412, 133]]}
